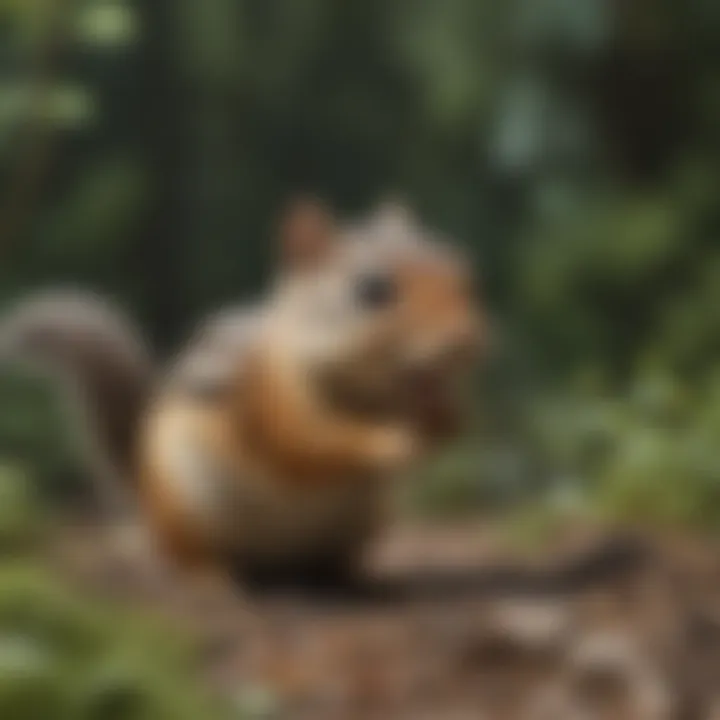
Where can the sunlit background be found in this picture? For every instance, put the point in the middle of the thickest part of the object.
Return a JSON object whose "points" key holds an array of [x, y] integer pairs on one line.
{"points": [[147, 147]]}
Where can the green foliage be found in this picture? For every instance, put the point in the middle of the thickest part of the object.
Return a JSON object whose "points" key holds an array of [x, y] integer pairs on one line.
{"points": [[35, 436], [64, 655], [20, 515], [450, 484], [105, 204], [648, 457], [68, 658]]}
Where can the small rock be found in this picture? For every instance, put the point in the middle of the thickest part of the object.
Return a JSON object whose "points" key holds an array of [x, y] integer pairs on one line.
{"points": [[534, 624], [603, 652], [608, 669]]}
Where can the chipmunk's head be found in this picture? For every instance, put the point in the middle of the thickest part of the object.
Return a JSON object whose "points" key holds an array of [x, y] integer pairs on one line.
{"points": [[379, 309]]}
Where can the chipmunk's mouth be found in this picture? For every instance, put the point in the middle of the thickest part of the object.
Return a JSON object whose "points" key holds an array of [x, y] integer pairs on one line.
{"points": [[426, 388], [434, 372], [433, 403]]}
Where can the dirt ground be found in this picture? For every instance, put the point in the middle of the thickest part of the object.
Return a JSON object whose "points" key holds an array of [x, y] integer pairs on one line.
{"points": [[598, 624]]}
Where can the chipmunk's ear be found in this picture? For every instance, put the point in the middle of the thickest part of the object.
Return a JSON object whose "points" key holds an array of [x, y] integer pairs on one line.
{"points": [[393, 220], [306, 234]]}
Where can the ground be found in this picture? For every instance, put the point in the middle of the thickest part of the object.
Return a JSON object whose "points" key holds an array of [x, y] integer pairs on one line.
{"points": [[597, 624]]}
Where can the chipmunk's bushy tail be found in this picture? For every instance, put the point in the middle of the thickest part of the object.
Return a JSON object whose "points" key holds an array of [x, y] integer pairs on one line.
{"points": [[103, 366]]}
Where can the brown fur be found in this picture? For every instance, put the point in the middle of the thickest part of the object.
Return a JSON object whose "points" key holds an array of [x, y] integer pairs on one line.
{"points": [[303, 441]]}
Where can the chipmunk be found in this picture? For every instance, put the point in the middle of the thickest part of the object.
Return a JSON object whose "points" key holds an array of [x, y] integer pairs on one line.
{"points": [[268, 446]]}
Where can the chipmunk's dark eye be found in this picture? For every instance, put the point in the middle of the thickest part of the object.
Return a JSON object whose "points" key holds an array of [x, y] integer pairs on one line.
{"points": [[376, 291]]}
